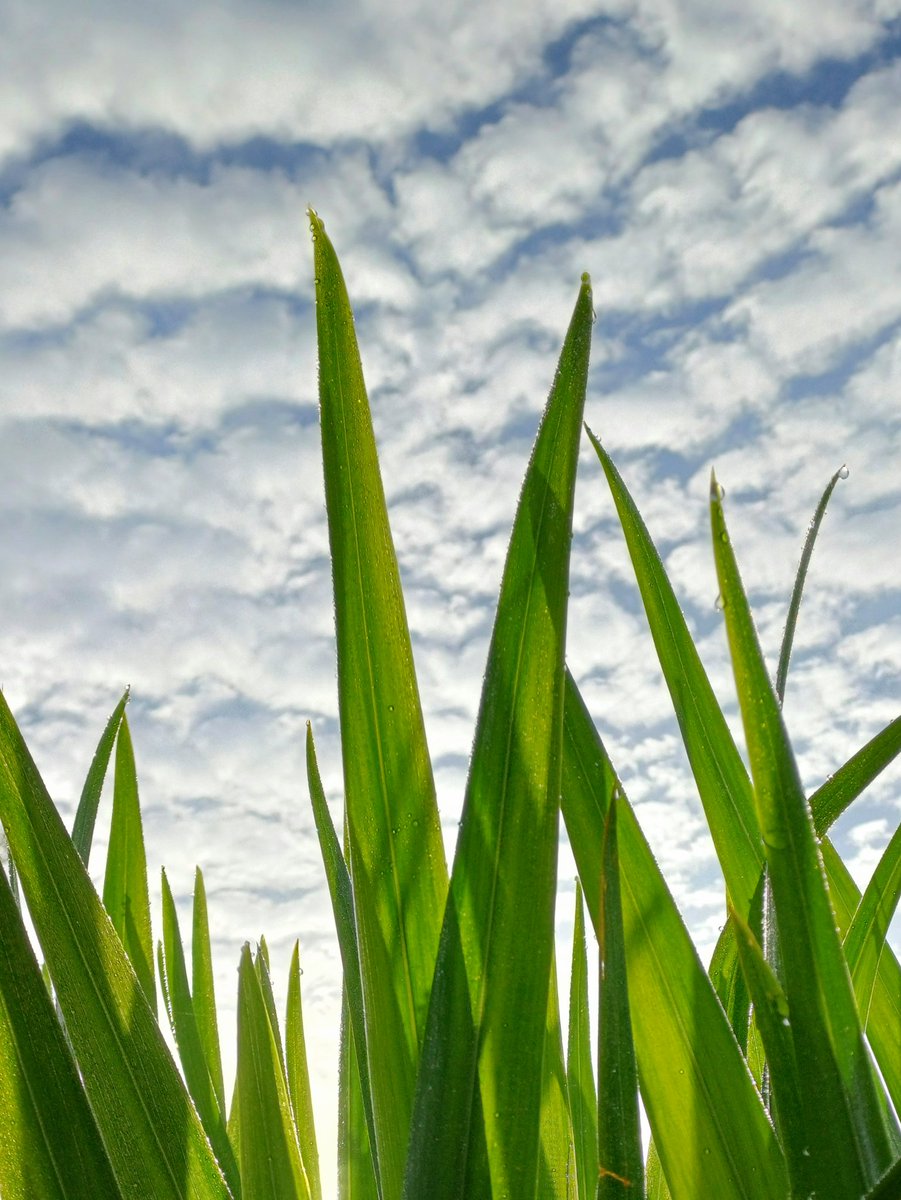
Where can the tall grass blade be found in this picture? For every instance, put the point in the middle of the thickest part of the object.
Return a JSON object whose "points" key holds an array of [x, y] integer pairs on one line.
{"points": [[50, 1146], [709, 1126], [865, 940], [842, 1116], [557, 1172], [203, 993], [583, 1101], [86, 813], [396, 855], [494, 962], [356, 1169], [299, 1078], [126, 1068], [829, 801]]}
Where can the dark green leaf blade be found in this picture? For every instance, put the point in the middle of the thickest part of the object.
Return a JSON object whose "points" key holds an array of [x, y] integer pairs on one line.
{"points": [[583, 1101], [493, 970]]}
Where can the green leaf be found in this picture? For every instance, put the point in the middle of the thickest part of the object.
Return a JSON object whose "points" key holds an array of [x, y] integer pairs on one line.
{"points": [[719, 773], [86, 813], [396, 850], [889, 1186], [709, 1125], [494, 961], [356, 1171], [50, 1147], [299, 1078], [557, 1173], [829, 801], [620, 1160], [271, 1165], [128, 1073], [865, 940], [583, 1101], [843, 1120], [203, 994]]}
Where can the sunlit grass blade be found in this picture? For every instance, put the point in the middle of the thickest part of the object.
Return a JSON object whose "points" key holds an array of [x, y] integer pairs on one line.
{"points": [[557, 1174], [203, 993], [299, 1077], [620, 1160], [127, 1070], [396, 850], [271, 1165], [125, 894], [356, 1172], [865, 940], [583, 1101], [829, 801], [341, 892], [50, 1146], [842, 1115], [709, 1125], [261, 963], [493, 971], [720, 776], [86, 813], [791, 621], [182, 1017]]}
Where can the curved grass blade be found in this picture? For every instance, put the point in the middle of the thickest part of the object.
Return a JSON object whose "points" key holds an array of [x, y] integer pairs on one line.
{"points": [[829, 801], [299, 1078], [396, 850], [494, 961], [341, 892], [182, 1017], [203, 993], [86, 813], [271, 1165], [791, 621], [718, 770], [125, 894], [619, 1131], [842, 1115], [557, 1172], [865, 940], [127, 1070], [583, 1101], [709, 1125], [50, 1146]]}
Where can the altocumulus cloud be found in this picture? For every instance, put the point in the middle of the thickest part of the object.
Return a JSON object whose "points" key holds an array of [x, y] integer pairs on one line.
{"points": [[732, 181]]}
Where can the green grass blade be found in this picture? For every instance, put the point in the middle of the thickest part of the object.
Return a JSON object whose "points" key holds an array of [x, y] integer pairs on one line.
{"points": [[125, 894], [788, 636], [494, 961], [619, 1133], [843, 1119], [271, 1166], [203, 993], [86, 813], [299, 1078], [557, 1175], [829, 801], [50, 1146], [718, 770], [889, 1186], [865, 940], [261, 963], [396, 849], [341, 892], [182, 1017], [127, 1070], [709, 1124], [356, 1173], [583, 1101]]}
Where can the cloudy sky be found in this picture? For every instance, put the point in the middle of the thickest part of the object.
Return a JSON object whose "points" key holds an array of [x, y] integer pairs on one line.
{"points": [[729, 174]]}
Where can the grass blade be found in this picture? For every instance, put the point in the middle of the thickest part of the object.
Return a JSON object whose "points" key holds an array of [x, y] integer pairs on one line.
{"points": [[842, 1116], [557, 1173], [583, 1101], [356, 1171], [710, 1127], [829, 801], [396, 850], [86, 813], [203, 994], [865, 940], [299, 1078], [494, 962], [127, 1070], [50, 1145]]}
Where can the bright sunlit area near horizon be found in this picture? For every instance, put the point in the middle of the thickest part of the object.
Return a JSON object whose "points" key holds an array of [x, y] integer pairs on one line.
{"points": [[730, 177]]}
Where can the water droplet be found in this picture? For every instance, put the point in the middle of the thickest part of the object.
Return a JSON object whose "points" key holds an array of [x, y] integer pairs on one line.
{"points": [[719, 603], [724, 538], [718, 491], [843, 472], [390, 708]]}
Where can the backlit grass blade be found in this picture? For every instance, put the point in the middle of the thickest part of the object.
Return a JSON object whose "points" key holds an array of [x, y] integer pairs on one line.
{"points": [[621, 1165], [271, 1165], [86, 813], [709, 1125], [396, 850], [493, 970], [719, 773], [829, 801], [299, 1078], [583, 1101], [50, 1147], [203, 994], [125, 894], [865, 940], [557, 1174], [127, 1070], [261, 963], [182, 1017], [788, 636], [842, 1115], [341, 892], [356, 1174]]}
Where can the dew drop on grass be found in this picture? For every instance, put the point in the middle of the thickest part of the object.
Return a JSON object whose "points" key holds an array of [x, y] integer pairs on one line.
{"points": [[719, 603], [843, 472]]}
